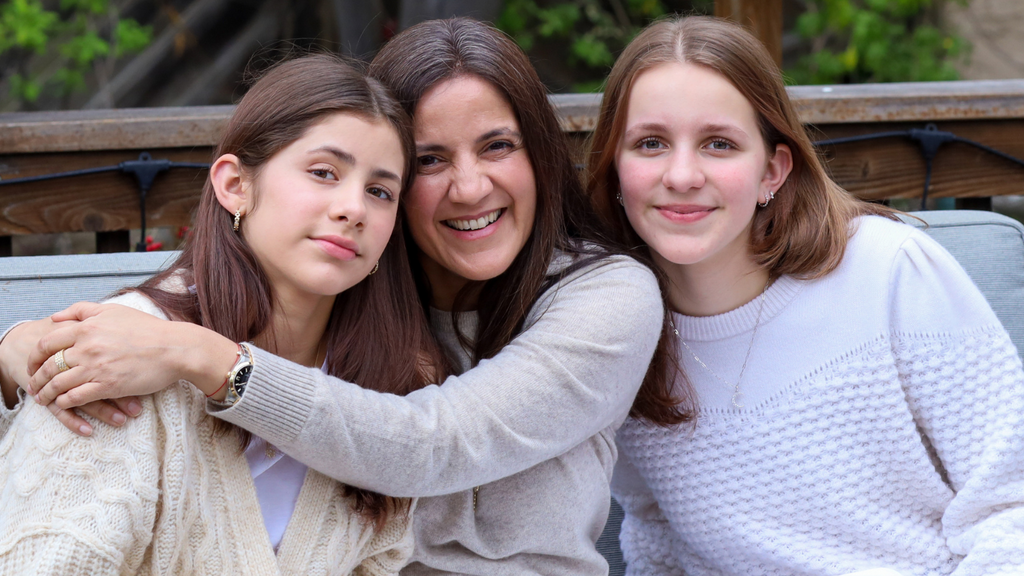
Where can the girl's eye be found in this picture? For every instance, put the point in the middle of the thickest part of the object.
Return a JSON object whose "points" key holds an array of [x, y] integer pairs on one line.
{"points": [[650, 143], [380, 192], [720, 145], [323, 173]]}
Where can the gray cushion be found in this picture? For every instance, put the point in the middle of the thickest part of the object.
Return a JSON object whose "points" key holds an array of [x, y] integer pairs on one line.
{"points": [[37, 286], [990, 247]]}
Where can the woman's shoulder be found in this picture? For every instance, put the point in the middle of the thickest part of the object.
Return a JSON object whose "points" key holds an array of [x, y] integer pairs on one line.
{"points": [[591, 261]]}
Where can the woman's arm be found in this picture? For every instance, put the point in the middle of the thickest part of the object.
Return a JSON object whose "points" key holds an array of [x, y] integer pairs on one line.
{"points": [[964, 384], [572, 372], [116, 351], [16, 346]]}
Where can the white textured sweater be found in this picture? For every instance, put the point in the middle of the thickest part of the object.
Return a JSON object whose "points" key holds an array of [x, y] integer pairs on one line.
{"points": [[883, 426], [165, 494], [533, 427]]}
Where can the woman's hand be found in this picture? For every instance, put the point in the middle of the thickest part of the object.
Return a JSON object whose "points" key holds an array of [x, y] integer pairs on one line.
{"points": [[14, 352], [114, 351]]}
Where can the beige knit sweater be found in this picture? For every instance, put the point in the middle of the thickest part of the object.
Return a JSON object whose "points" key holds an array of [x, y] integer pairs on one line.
{"points": [[164, 494]]}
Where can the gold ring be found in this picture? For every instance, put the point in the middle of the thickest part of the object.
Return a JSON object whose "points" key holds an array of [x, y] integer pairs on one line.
{"points": [[58, 359]]}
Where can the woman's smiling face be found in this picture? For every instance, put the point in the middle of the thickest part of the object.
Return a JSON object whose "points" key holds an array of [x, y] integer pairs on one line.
{"points": [[693, 165], [471, 208]]}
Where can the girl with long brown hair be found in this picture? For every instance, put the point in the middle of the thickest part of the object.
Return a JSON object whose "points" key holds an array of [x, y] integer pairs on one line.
{"points": [[287, 252], [549, 330], [860, 406]]}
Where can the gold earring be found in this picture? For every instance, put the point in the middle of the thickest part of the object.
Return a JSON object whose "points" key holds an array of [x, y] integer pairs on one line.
{"points": [[375, 266], [238, 218]]}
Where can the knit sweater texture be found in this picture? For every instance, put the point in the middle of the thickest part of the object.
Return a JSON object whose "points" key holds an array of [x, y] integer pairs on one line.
{"points": [[533, 427], [166, 494], [882, 426]]}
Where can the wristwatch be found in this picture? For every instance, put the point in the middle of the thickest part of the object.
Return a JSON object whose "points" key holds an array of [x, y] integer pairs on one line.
{"points": [[238, 377]]}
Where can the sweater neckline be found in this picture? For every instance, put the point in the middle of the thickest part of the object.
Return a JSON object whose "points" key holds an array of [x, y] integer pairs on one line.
{"points": [[739, 320]]}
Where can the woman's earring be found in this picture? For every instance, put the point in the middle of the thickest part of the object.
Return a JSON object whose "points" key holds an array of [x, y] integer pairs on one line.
{"points": [[238, 218], [375, 266], [768, 197], [619, 198]]}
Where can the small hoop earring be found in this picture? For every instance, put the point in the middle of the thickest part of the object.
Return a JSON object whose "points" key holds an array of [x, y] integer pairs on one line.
{"points": [[619, 198], [768, 197], [375, 266], [238, 218]]}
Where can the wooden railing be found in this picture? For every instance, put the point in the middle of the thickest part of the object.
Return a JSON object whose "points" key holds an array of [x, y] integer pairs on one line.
{"points": [[31, 144]]}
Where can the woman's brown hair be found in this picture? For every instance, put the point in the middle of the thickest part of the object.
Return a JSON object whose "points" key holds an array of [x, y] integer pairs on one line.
{"points": [[802, 232], [377, 335], [439, 50]]}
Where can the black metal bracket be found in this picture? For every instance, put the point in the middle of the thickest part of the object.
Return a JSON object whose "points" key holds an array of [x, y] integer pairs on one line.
{"points": [[145, 170], [929, 140]]}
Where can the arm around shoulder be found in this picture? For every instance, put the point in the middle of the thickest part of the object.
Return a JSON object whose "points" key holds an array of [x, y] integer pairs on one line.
{"points": [[573, 371]]}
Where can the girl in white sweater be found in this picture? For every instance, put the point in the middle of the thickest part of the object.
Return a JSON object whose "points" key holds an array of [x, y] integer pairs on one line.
{"points": [[287, 251], [860, 404]]}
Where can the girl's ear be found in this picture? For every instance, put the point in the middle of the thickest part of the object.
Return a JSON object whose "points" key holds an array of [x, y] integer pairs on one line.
{"points": [[230, 184], [778, 168]]}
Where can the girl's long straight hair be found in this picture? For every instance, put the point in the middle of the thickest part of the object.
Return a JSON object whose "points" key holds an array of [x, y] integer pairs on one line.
{"points": [[803, 232], [377, 335]]}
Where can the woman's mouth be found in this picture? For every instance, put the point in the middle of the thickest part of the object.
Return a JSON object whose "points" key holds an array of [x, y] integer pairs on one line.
{"points": [[468, 225]]}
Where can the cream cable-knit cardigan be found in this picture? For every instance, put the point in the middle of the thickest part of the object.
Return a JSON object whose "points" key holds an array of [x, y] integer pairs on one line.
{"points": [[164, 494]]}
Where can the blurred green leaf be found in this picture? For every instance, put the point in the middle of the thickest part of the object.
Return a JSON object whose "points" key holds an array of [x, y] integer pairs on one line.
{"points": [[131, 37]]}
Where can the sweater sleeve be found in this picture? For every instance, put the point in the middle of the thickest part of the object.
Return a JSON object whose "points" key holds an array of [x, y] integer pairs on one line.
{"points": [[7, 414], [963, 381], [573, 371], [646, 538], [390, 548], [74, 505]]}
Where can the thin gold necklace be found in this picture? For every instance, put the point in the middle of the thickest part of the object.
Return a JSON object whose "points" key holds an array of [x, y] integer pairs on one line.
{"points": [[737, 396]]}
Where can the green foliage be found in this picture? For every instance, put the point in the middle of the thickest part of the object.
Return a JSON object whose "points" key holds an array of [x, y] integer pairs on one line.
{"points": [[593, 30], [874, 41], [84, 35]]}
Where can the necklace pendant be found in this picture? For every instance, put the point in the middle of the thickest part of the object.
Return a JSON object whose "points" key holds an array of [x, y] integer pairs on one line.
{"points": [[737, 399]]}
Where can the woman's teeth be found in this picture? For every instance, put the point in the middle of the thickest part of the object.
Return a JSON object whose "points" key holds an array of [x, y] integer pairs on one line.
{"points": [[481, 222]]}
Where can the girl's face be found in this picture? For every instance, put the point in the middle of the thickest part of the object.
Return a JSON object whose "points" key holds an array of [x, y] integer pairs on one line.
{"points": [[692, 165], [324, 206], [471, 208]]}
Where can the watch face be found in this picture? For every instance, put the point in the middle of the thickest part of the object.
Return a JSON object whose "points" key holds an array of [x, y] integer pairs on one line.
{"points": [[242, 378]]}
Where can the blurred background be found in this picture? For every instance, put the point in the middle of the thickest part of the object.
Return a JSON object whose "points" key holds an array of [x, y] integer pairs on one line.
{"points": [[83, 54]]}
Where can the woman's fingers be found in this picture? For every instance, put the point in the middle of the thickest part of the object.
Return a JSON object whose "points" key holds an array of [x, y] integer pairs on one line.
{"points": [[103, 411], [81, 395], [50, 344], [71, 421], [78, 311], [130, 405]]}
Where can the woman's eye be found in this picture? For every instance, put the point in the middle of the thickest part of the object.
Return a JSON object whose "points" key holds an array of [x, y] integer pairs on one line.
{"points": [[720, 145], [379, 192], [426, 161], [500, 145], [323, 173]]}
